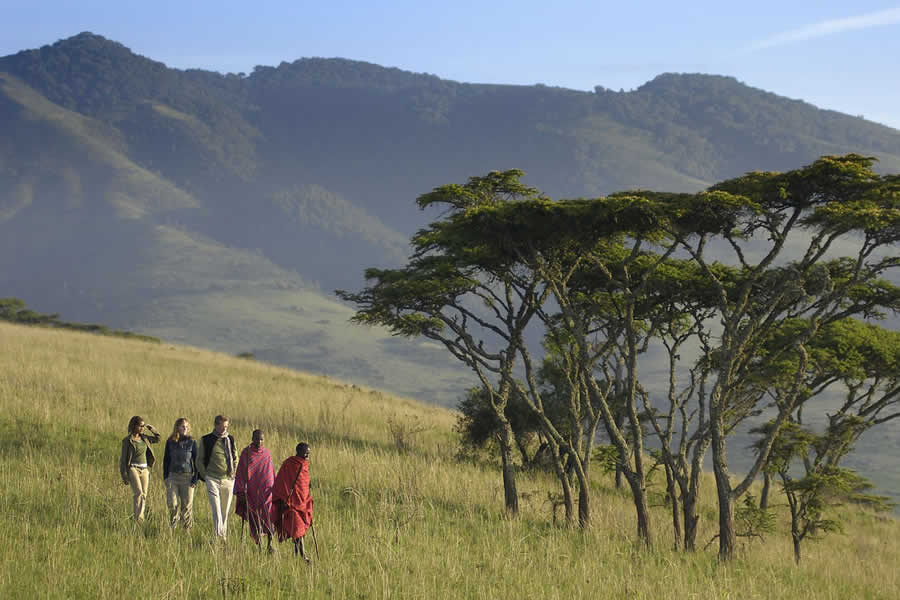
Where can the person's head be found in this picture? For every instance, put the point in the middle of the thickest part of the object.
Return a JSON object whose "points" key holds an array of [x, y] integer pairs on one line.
{"points": [[258, 438], [135, 425], [220, 424], [181, 429], [303, 450]]}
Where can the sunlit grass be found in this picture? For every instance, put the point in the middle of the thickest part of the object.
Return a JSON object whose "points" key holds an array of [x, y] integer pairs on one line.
{"points": [[412, 523]]}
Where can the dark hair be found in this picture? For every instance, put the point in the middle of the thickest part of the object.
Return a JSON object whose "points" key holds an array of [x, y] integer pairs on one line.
{"points": [[257, 433], [133, 424], [220, 419], [303, 450]]}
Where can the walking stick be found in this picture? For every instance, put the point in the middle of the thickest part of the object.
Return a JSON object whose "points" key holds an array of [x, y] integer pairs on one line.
{"points": [[315, 541]]}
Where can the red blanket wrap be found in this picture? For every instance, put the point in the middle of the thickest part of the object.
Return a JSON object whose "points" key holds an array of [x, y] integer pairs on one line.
{"points": [[292, 506]]}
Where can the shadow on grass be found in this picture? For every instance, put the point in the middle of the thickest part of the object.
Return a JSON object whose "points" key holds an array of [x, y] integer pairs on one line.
{"points": [[21, 436], [317, 436]]}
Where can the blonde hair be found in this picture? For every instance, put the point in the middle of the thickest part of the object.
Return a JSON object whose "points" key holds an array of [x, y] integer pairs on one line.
{"points": [[178, 423]]}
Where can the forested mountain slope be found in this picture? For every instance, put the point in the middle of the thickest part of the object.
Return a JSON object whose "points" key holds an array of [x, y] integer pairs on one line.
{"points": [[223, 209]]}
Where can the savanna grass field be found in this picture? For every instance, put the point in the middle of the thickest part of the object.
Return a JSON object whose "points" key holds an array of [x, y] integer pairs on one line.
{"points": [[397, 515]]}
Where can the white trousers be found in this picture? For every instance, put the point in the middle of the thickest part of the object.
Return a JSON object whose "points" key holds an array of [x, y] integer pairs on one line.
{"points": [[220, 493]]}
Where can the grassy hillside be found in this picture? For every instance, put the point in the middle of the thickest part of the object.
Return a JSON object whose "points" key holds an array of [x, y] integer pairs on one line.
{"points": [[411, 523]]}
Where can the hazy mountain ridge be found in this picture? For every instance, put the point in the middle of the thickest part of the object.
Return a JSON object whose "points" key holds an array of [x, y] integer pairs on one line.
{"points": [[137, 195]]}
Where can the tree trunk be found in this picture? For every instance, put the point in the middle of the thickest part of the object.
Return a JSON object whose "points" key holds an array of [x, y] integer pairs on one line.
{"points": [[676, 508], [764, 495], [690, 496], [795, 519], [584, 494], [726, 505], [510, 494], [639, 493], [568, 502], [620, 426], [584, 506], [727, 537], [691, 519]]}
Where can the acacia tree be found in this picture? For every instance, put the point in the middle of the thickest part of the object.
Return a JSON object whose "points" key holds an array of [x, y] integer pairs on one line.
{"points": [[598, 331], [477, 424], [862, 361], [464, 294], [578, 249], [509, 248], [783, 243], [823, 484], [598, 264], [616, 293], [512, 249], [677, 307], [547, 241]]}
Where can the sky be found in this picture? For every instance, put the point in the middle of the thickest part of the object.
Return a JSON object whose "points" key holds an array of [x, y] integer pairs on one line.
{"points": [[840, 56]]}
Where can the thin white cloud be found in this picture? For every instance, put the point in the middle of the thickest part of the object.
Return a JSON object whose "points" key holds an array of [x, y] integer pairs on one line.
{"points": [[880, 18]]}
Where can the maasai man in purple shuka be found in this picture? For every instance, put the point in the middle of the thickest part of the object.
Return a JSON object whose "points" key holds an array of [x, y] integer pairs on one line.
{"points": [[253, 488]]}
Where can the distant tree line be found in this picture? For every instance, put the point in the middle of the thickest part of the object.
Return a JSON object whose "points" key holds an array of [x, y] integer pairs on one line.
{"points": [[760, 292], [14, 310]]}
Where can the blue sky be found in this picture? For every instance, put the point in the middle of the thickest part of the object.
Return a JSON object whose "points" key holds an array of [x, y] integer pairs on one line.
{"points": [[835, 55]]}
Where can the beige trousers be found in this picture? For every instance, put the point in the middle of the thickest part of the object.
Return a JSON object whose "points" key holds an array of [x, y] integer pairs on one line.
{"points": [[140, 481], [180, 499], [219, 492]]}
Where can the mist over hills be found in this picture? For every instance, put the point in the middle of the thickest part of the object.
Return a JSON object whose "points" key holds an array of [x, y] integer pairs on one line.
{"points": [[221, 210]]}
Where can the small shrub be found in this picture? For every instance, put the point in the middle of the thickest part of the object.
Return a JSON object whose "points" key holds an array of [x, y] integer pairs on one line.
{"points": [[404, 432]]}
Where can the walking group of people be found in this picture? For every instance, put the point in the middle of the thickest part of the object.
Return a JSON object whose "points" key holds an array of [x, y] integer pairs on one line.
{"points": [[272, 504]]}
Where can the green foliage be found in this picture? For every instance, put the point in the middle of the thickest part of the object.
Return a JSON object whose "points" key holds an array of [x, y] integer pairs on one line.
{"points": [[823, 483], [753, 521], [478, 426], [606, 457], [13, 310]]}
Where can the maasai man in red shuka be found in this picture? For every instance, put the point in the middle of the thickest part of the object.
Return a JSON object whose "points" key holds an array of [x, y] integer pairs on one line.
{"points": [[292, 510], [253, 488]]}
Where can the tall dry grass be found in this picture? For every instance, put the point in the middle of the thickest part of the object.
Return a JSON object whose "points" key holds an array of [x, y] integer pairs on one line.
{"points": [[391, 521]]}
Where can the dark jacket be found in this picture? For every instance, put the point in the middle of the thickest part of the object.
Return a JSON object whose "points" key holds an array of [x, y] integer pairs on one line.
{"points": [[183, 451], [209, 440], [128, 453]]}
